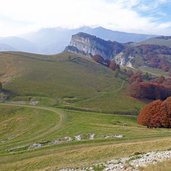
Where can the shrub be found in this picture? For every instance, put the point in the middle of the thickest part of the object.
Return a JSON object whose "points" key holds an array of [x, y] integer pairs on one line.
{"points": [[156, 114]]}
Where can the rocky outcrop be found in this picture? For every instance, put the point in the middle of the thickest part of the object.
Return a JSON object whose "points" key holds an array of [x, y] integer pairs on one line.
{"points": [[91, 45], [132, 163], [154, 54]]}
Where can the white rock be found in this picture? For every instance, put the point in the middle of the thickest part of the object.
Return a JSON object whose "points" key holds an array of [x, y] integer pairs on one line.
{"points": [[36, 145], [91, 136], [68, 139], [78, 138], [56, 142], [118, 136]]}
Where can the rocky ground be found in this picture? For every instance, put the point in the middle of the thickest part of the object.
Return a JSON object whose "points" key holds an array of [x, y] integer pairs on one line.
{"points": [[132, 163], [62, 140]]}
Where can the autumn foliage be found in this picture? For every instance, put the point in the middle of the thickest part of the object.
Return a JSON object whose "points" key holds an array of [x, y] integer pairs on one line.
{"points": [[154, 89], [106, 62], [156, 114], [153, 55], [98, 59], [113, 66]]}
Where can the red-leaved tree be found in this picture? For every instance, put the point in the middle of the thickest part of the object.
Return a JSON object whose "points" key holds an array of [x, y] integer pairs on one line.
{"points": [[156, 114]]}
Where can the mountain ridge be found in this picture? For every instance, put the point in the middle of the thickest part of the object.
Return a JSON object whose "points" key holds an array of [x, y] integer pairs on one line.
{"points": [[54, 40], [154, 52]]}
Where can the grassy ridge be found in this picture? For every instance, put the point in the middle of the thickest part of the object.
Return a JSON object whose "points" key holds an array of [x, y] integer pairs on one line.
{"points": [[156, 41]]}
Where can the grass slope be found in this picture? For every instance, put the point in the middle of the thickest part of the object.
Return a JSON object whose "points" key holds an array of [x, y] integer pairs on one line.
{"points": [[157, 41], [66, 80], [21, 126], [61, 83], [162, 166]]}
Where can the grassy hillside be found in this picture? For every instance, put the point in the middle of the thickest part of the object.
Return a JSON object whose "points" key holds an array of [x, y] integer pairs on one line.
{"points": [[161, 41], [65, 80], [63, 111], [163, 166], [22, 126]]}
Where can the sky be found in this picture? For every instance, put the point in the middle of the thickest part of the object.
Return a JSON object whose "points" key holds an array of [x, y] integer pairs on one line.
{"points": [[137, 16]]}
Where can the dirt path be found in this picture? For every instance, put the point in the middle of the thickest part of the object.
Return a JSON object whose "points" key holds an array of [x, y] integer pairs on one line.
{"points": [[58, 124]]}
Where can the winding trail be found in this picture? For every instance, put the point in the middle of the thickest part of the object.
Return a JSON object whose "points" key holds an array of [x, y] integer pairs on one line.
{"points": [[120, 88], [104, 93], [58, 124]]}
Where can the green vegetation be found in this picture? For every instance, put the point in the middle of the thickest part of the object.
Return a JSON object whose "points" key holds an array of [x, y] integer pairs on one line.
{"points": [[66, 80], [51, 98], [154, 71], [22, 126], [156, 41]]}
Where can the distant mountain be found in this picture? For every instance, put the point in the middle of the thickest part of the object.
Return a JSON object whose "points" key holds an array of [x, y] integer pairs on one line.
{"points": [[17, 44], [54, 40], [118, 36], [154, 53], [5, 47]]}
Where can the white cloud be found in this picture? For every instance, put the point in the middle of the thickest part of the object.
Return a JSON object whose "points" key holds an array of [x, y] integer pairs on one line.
{"points": [[27, 15]]}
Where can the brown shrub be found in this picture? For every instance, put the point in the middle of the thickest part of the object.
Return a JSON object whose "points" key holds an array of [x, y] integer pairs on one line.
{"points": [[156, 114]]}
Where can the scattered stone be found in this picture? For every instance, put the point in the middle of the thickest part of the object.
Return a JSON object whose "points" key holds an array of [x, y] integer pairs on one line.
{"points": [[132, 163], [78, 138], [118, 136], [56, 142], [36, 145], [91, 136], [114, 136], [106, 137], [68, 139], [33, 102], [150, 158], [112, 161]]}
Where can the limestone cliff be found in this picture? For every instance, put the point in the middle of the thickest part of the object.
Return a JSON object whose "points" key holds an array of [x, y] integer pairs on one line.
{"points": [[155, 53], [91, 45]]}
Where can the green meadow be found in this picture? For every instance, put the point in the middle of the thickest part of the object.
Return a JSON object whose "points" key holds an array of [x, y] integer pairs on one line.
{"points": [[68, 111]]}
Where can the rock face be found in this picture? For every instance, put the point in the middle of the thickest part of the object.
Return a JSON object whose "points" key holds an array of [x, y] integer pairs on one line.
{"points": [[155, 53], [155, 56], [91, 45]]}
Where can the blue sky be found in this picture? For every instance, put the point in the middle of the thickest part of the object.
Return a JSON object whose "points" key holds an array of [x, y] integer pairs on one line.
{"points": [[160, 10], [139, 16]]}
